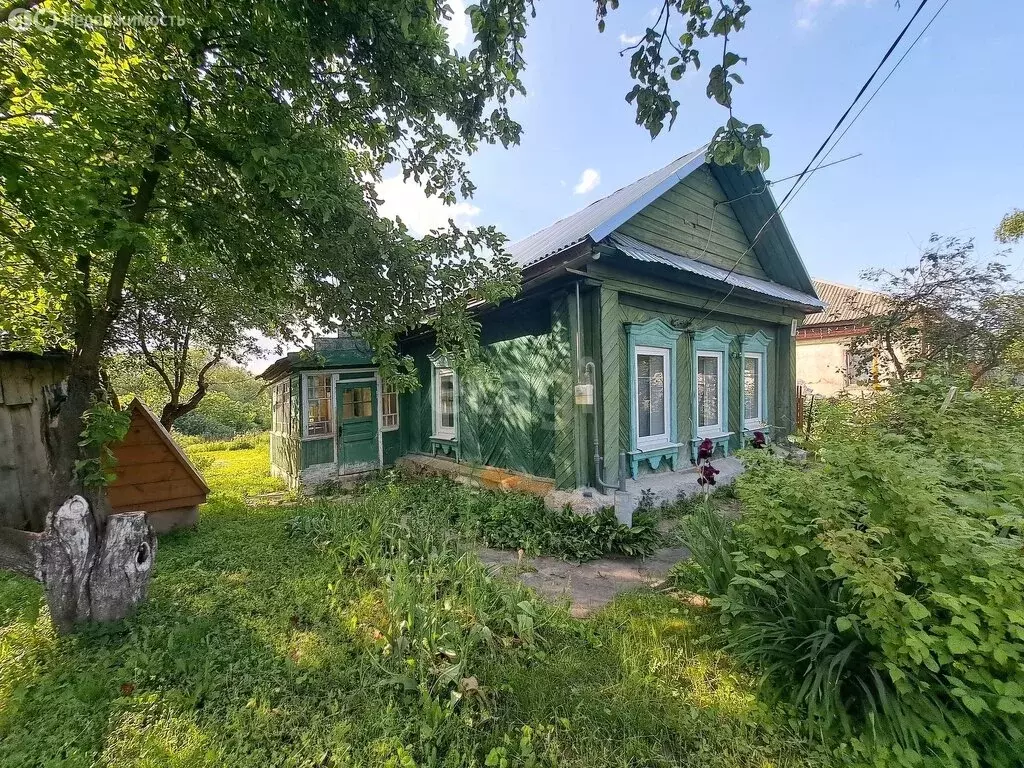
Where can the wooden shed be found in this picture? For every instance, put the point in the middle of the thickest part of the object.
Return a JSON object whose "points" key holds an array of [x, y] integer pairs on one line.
{"points": [[30, 385], [155, 475]]}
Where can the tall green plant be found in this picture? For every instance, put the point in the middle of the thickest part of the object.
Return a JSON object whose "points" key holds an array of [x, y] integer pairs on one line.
{"points": [[883, 585]]}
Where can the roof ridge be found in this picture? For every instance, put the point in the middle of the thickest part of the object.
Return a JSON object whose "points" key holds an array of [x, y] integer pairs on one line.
{"points": [[610, 194]]}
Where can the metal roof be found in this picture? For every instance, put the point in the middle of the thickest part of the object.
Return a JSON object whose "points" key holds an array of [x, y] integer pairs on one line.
{"points": [[598, 219], [643, 252], [845, 304]]}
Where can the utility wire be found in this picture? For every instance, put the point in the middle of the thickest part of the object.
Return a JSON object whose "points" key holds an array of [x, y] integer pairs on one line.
{"points": [[808, 168], [856, 98], [875, 92], [761, 191]]}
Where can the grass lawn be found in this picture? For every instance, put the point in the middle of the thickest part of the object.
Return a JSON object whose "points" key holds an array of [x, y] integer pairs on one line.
{"points": [[365, 632]]}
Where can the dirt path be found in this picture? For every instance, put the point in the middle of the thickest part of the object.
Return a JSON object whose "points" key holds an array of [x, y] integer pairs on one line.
{"points": [[589, 586]]}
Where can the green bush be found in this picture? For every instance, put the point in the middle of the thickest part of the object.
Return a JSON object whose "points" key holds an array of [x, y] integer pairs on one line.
{"points": [[520, 521], [883, 584]]}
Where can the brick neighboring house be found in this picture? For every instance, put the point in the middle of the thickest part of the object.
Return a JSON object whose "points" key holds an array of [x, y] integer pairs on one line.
{"points": [[824, 363]]}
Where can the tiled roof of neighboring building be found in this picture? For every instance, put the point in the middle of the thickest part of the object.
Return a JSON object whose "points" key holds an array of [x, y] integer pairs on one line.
{"points": [[844, 304]]}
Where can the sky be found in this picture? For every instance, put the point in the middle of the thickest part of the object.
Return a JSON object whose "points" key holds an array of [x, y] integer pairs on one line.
{"points": [[939, 142]]}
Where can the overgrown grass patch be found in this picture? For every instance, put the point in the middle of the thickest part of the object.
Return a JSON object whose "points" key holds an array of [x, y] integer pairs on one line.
{"points": [[368, 634]]}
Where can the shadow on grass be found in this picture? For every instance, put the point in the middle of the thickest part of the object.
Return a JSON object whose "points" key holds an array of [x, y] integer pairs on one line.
{"points": [[249, 653]]}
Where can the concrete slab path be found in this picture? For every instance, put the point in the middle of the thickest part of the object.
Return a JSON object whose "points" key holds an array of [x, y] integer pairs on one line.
{"points": [[587, 586]]}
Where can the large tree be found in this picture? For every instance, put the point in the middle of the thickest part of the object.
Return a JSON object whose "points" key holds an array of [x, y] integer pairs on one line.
{"points": [[950, 312], [250, 133], [183, 316]]}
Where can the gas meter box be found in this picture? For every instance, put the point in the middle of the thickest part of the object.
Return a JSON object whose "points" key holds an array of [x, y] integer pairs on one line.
{"points": [[584, 394]]}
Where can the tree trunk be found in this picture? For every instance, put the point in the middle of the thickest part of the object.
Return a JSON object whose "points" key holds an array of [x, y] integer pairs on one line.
{"points": [[175, 409], [94, 566], [87, 576]]}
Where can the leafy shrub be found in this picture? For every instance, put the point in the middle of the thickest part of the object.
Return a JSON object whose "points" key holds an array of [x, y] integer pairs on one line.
{"points": [[520, 521], [506, 520], [883, 585]]}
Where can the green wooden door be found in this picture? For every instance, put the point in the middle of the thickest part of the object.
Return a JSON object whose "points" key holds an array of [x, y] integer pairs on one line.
{"points": [[357, 426]]}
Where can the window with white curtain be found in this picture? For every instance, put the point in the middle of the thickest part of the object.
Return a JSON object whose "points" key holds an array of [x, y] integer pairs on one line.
{"points": [[444, 402], [653, 411], [753, 380], [709, 393]]}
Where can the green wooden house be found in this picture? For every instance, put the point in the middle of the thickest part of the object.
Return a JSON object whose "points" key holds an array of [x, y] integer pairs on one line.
{"points": [[650, 320]]}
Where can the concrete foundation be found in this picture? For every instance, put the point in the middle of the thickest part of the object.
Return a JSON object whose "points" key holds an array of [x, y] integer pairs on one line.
{"points": [[669, 487], [166, 520]]}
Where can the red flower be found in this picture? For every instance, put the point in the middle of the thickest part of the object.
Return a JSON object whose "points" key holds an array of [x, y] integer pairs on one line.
{"points": [[707, 475], [759, 440], [706, 449]]}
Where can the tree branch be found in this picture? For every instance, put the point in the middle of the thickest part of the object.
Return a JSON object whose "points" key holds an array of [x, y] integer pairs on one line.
{"points": [[17, 5]]}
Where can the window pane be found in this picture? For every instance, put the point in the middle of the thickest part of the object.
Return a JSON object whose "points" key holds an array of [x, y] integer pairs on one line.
{"points": [[707, 390], [318, 405], [446, 398], [650, 390], [389, 406], [751, 388]]}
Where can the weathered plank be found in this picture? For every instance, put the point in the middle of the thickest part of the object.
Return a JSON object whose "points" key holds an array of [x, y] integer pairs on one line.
{"points": [[151, 473], [143, 454], [20, 552], [138, 495]]}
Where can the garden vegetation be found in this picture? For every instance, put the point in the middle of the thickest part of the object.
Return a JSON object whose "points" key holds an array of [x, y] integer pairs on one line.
{"points": [[881, 586], [364, 631]]}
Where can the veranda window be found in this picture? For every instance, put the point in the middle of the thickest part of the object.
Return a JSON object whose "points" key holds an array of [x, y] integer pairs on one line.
{"points": [[389, 406], [319, 422], [653, 412]]}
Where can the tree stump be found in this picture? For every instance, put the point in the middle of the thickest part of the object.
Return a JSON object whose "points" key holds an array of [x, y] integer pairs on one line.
{"points": [[86, 576]]}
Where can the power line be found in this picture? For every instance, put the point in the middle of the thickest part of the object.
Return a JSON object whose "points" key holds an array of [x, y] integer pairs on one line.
{"points": [[804, 173], [818, 167], [875, 92], [856, 98]]}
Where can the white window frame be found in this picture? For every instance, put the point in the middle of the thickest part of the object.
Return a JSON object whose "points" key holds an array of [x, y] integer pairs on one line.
{"points": [[447, 433], [332, 423], [714, 429], [387, 389], [758, 420], [663, 438]]}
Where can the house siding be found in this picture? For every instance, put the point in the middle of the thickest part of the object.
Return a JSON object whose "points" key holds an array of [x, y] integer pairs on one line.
{"points": [[619, 304], [506, 414], [681, 221]]}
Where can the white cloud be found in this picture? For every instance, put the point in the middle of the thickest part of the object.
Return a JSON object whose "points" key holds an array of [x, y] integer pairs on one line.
{"points": [[421, 213], [458, 25], [589, 179], [807, 11], [630, 39]]}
